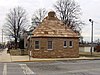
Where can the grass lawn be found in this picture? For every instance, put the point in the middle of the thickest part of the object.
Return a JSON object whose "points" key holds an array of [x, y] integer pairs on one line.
{"points": [[88, 54]]}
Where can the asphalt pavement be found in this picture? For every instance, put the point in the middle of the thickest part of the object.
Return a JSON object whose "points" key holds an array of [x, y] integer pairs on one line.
{"points": [[75, 67]]}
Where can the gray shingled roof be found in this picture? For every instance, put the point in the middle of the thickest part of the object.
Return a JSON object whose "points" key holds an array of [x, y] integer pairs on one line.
{"points": [[51, 26]]}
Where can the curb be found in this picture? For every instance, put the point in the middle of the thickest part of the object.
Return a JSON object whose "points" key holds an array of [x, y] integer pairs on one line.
{"points": [[55, 60], [36, 61]]}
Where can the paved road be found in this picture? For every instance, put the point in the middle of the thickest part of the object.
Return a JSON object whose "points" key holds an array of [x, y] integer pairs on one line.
{"points": [[79, 67]]}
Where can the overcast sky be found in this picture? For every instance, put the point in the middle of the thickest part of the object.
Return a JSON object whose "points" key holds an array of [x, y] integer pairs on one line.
{"points": [[89, 8]]}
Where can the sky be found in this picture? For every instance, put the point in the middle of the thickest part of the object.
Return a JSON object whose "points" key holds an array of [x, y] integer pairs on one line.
{"points": [[89, 9]]}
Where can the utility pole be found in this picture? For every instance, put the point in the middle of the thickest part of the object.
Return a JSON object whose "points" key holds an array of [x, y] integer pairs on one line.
{"points": [[30, 52], [91, 35], [2, 39]]}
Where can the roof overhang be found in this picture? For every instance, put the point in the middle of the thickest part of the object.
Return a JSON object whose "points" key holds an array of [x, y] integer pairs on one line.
{"points": [[51, 37]]}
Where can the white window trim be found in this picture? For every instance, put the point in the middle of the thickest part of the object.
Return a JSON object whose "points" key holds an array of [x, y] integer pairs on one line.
{"points": [[69, 44], [34, 45], [52, 45], [49, 49], [66, 44]]}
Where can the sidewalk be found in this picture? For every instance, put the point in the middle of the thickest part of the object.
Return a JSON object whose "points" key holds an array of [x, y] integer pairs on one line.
{"points": [[5, 57], [26, 59]]}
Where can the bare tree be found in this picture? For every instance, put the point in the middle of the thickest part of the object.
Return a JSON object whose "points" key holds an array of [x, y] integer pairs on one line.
{"points": [[38, 16], [69, 13], [16, 22]]}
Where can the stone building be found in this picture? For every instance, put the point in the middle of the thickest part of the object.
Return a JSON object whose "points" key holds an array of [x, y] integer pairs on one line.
{"points": [[52, 39]]}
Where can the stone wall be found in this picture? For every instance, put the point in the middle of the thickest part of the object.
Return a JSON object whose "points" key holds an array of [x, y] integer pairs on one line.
{"points": [[58, 50]]}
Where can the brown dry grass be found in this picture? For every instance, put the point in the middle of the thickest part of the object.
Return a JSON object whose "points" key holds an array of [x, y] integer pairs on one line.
{"points": [[88, 54]]}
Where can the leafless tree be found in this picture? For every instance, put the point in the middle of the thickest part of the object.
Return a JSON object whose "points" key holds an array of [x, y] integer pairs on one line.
{"points": [[16, 22], [38, 16], [69, 12]]}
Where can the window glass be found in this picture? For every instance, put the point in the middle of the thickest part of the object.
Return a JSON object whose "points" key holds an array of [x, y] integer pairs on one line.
{"points": [[36, 44], [49, 44], [65, 44], [70, 43]]}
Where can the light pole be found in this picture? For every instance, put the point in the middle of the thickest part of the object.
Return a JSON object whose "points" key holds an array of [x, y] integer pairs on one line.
{"points": [[91, 35]]}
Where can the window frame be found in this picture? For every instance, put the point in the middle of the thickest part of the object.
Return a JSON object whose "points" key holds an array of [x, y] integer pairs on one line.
{"points": [[71, 44], [48, 45], [64, 44], [35, 45]]}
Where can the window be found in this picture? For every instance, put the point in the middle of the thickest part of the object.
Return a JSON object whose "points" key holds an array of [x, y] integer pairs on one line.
{"points": [[70, 43], [36, 44], [65, 44], [50, 45]]}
